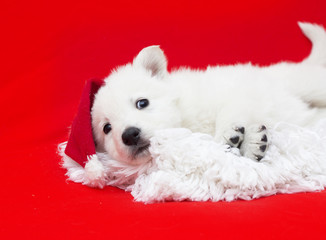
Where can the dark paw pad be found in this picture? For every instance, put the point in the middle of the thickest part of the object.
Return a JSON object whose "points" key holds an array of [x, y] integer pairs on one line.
{"points": [[263, 148], [264, 138], [235, 140], [258, 157], [262, 128], [235, 136], [240, 129]]}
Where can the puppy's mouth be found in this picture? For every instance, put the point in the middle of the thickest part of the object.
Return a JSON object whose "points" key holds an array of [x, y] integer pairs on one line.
{"points": [[140, 149]]}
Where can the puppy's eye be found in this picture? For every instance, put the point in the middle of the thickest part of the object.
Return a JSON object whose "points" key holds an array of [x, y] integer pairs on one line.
{"points": [[107, 128], [142, 103]]}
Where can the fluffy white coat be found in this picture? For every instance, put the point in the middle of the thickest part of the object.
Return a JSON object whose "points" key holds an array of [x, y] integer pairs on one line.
{"points": [[215, 101], [193, 166], [211, 101]]}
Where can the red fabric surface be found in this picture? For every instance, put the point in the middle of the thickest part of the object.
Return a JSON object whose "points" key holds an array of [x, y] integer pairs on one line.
{"points": [[50, 49]]}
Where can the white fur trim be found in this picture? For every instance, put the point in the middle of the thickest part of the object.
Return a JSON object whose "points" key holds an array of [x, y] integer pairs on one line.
{"points": [[295, 162], [95, 172], [101, 170], [192, 166], [93, 175]]}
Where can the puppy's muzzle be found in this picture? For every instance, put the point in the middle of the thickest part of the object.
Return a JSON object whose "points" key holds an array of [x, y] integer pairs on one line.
{"points": [[131, 136]]}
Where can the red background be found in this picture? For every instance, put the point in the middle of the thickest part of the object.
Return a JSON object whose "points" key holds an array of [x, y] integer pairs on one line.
{"points": [[49, 49]]}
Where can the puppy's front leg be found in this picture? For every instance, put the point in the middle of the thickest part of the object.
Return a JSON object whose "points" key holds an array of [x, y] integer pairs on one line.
{"points": [[234, 136], [256, 142], [252, 141], [227, 130]]}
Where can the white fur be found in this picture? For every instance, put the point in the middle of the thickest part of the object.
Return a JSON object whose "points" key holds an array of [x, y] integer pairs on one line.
{"points": [[296, 162], [93, 175], [101, 170], [210, 101], [193, 166], [188, 164]]}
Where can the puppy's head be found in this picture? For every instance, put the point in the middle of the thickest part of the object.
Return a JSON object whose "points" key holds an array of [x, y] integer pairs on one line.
{"points": [[135, 101]]}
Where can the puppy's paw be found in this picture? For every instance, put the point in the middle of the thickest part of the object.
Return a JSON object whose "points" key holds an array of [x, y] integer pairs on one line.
{"points": [[255, 143], [235, 136]]}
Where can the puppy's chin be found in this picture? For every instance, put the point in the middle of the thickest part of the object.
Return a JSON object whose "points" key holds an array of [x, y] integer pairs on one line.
{"points": [[138, 159], [135, 155], [139, 154]]}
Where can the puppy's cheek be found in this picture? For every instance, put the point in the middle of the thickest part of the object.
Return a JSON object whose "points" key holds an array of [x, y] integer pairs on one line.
{"points": [[100, 144], [111, 149], [116, 151]]}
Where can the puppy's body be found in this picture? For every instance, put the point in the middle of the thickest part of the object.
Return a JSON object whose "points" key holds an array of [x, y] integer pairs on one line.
{"points": [[231, 103], [221, 97]]}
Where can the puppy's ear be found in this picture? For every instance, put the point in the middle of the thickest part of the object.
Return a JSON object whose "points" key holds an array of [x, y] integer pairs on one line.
{"points": [[153, 59]]}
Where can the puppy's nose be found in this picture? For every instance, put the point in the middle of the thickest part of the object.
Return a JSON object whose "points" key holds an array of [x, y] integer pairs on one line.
{"points": [[131, 136]]}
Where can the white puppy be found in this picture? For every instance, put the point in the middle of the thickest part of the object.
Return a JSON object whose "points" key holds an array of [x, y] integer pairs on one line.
{"points": [[236, 104]]}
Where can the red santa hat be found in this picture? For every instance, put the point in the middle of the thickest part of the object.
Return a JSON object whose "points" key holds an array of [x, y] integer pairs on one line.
{"points": [[80, 147]]}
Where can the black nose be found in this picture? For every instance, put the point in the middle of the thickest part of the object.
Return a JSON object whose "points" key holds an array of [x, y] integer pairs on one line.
{"points": [[131, 136]]}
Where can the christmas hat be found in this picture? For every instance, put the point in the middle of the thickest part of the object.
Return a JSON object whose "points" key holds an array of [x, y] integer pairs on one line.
{"points": [[79, 152], [81, 145]]}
